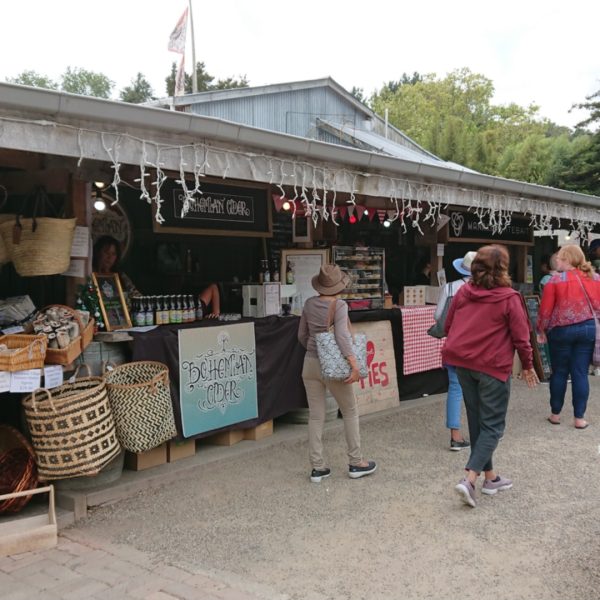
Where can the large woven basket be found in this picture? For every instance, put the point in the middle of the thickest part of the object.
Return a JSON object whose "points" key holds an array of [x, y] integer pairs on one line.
{"points": [[28, 352], [17, 468], [72, 428], [141, 403], [4, 255], [41, 250]]}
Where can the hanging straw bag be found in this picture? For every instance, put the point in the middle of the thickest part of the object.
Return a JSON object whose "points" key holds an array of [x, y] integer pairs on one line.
{"points": [[38, 245], [334, 364], [140, 399], [72, 428]]}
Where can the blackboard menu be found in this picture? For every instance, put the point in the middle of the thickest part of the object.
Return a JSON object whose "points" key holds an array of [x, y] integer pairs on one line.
{"points": [[112, 301], [467, 225], [541, 352], [216, 207]]}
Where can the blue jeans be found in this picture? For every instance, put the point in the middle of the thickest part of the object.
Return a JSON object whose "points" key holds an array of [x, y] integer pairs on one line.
{"points": [[453, 400], [571, 349]]}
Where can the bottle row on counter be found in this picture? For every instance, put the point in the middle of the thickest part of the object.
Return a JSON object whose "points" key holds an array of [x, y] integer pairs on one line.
{"points": [[165, 310]]}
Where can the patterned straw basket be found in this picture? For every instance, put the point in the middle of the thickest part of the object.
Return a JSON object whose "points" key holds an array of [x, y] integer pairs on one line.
{"points": [[72, 428], [141, 403], [17, 468]]}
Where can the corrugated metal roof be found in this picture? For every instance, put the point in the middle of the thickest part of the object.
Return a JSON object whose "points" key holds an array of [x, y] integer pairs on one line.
{"points": [[369, 140]]}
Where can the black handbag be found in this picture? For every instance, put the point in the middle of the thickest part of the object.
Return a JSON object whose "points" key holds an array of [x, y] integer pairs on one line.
{"points": [[437, 329]]}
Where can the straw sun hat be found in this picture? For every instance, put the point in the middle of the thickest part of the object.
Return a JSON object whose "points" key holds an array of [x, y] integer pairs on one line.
{"points": [[330, 280], [463, 265]]}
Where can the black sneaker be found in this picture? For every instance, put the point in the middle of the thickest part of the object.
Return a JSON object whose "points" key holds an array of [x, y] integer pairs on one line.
{"points": [[318, 474], [355, 472], [456, 446]]}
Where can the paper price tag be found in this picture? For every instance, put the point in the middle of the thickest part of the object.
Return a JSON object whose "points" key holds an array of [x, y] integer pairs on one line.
{"points": [[25, 381], [4, 381], [53, 376]]}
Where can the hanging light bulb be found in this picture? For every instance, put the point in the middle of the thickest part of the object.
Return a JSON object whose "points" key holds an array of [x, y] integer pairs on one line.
{"points": [[387, 223], [352, 219], [286, 205], [99, 203]]}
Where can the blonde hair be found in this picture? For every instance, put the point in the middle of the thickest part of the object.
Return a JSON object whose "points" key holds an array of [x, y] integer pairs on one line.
{"points": [[576, 258]]}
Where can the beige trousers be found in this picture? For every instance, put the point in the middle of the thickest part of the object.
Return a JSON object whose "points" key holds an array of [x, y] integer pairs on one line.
{"points": [[343, 393]]}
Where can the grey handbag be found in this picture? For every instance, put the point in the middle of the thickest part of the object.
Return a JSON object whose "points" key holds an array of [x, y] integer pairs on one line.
{"points": [[437, 329], [334, 365]]}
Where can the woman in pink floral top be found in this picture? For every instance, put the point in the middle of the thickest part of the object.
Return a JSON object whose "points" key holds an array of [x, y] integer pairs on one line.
{"points": [[569, 302]]}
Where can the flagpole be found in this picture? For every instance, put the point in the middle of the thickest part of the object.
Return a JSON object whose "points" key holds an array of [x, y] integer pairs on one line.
{"points": [[194, 74]]}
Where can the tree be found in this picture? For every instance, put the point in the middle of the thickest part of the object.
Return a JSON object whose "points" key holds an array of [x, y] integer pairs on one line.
{"points": [[34, 79], [359, 94], [87, 83], [139, 91], [204, 81]]}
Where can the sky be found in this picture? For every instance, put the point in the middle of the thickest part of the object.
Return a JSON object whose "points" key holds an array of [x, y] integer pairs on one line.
{"points": [[544, 53]]}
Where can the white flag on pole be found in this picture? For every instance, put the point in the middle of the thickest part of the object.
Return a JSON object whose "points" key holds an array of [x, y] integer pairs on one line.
{"points": [[180, 78], [177, 39]]}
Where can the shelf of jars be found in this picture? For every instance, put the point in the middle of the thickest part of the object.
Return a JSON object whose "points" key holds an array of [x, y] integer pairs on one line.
{"points": [[366, 268]]}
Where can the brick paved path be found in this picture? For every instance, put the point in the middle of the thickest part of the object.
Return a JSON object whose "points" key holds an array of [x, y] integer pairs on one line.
{"points": [[82, 568]]}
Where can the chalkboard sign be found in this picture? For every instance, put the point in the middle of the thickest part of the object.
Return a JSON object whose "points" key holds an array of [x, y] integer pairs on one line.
{"points": [[467, 226], [216, 210], [541, 352], [112, 301]]}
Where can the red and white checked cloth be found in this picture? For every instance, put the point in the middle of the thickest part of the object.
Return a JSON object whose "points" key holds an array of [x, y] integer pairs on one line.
{"points": [[421, 351]]}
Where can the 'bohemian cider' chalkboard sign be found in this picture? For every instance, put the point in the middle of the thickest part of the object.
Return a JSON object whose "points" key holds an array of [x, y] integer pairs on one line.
{"points": [[217, 210], [112, 301], [541, 352]]}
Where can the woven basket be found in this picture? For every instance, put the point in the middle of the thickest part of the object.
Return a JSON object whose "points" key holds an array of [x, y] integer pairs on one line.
{"points": [[4, 255], [17, 468], [141, 403], [45, 251], [30, 352], [72, 428], [65, 356]]}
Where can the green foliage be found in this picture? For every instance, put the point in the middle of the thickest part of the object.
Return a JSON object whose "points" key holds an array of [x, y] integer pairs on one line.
{"points": [[204, 80], [34, 79], [87, 83], [139, 91], [359, 94]]}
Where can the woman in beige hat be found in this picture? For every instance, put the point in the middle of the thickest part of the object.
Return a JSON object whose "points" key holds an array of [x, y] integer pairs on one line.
{"points": [[330, 282]]}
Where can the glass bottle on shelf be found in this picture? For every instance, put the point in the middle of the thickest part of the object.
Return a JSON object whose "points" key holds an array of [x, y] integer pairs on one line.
{"points": [[191, 308], [289, 274], [275, 276], [172, 309], [261, 273], [199, 314], [186, 310], [150, 308], [266, 272], [139, 316]]}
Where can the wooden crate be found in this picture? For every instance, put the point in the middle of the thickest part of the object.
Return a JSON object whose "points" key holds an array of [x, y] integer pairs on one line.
{"points": [[138, 461], [227, 438], [259, 432], [27, 534], [178, 449]]}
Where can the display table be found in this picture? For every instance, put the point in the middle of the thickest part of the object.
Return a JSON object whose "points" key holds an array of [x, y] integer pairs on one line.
{"points": [[279, 359]]}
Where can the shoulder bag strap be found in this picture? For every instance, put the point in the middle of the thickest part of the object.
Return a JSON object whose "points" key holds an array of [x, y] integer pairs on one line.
{"points": [[586, 296], [331, 317]]}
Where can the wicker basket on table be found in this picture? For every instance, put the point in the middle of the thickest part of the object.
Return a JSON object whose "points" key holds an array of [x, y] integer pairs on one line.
{"points": [[65, 356], [25, 352], [18, 471]]}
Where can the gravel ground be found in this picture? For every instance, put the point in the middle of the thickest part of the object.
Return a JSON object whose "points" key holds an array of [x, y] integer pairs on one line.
{"points": [[400, 533]]}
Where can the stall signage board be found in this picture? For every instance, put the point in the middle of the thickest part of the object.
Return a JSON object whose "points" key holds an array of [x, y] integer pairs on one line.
{"points": [[112, 301], [541, 352], [215, 207], [305, 264], [466, 225], [379, 390], [217, 375]]}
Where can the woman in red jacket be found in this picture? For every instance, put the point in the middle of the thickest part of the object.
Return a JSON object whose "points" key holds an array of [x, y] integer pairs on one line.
{"points": [[485, 324], [566, 319]]}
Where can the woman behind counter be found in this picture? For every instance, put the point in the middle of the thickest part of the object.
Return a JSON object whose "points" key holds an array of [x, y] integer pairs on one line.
{"points": [[566, 320], [107, 255], [329, 283]]}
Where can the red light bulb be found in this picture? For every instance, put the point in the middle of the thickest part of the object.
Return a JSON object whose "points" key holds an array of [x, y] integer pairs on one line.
{"points": [[352, 219]]}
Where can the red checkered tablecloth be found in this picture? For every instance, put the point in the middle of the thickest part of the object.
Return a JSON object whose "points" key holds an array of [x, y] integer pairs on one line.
{"points": [[421, 351]]}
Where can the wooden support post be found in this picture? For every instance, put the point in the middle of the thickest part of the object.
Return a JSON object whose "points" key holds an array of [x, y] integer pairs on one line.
{"points": [[521, 268], [78, 204]]}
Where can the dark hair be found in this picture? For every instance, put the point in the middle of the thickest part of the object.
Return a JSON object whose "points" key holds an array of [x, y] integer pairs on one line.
{"points": [[489, 268], [104, 242]]}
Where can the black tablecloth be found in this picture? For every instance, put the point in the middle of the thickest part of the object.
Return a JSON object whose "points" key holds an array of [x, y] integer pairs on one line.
{"points": [[279, 358]]}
